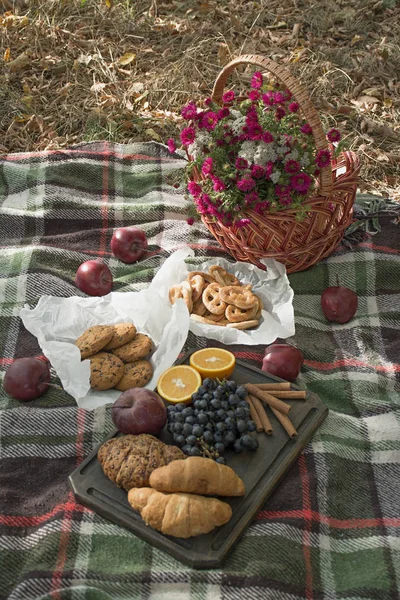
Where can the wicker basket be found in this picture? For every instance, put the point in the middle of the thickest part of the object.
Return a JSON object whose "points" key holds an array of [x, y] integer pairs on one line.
{"points": [[298, 245]]}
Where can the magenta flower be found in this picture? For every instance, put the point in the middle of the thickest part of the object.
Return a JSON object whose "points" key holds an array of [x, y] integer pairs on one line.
{"points": [[187, 136], [171, 145], [218, 184], [194, 189], [279, 98], [257, 171], [242, 222], [246, 184], [294, 107], [207, 166], [223, 112], [292, 166], [306, 128], [301, 183], [257, 80], [228, 97], [268, 169], [285, 200], [250, 198], [323, 158], [287, 95], [254, 132], [207, 101], [280, 113], [260, 207], [208, 120], [190, 221], [267, 137], [219, 142], [268, 98], [189, 111], [333, 135], [241, 163], [254, 95]]}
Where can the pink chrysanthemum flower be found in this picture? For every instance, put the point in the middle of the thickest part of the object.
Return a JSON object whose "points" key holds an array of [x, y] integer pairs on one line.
{"points": [[208, 120], [189, 111], [207, 166], [306, 128], [187, 136], [194, 189], [268, 98], [279, 98], [242, 222], [254, 132], [190, 221], [219, 142], [250, 198], [292, 166], [301, 182], [257, 171], [171, 145], [241, 163], [223, 112], [254, 95], [228, 97], [260, 207], [323, 158], [218, 184], [246, 184], [267, 137], [285, 200], [257, 80], [333, 135], [293, 107], [280, 113], [287, 95], [268, 169]]}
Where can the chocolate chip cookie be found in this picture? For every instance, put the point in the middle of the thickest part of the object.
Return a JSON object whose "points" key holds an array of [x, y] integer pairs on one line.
{"points": [[123, 333], [137, 374], [105, 371], [138, 348], [94, 339]]}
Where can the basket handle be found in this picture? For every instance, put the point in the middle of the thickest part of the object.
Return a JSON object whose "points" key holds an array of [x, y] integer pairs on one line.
{"points": [[298, 92]]}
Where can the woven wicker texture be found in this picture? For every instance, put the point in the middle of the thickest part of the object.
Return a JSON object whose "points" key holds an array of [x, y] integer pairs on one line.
{"points": [[298, 245]]}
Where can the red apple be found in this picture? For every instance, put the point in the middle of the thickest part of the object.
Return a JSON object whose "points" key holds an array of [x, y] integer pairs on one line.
{"points": [[129, 244], [138, 410], [283, 360], [94, 278], [27, 378], [339, 304]]}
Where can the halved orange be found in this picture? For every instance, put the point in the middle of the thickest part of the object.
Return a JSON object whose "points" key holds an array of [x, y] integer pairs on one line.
{"points": [[177, 384], [213, 362]]}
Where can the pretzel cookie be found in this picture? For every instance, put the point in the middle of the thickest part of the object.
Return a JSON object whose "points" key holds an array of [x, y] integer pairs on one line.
{"points": [[182, 290], [239, 296], [212, 299], [205, 276], [234, 314], [197, 283], [223, 277]]}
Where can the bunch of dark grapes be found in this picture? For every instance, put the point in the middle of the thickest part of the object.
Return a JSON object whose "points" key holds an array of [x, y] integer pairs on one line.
{"points": [[217, 419]]}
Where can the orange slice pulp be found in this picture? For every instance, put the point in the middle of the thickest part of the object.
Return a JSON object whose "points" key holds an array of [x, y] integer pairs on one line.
{"points": [[213, 362], [177, 384]]}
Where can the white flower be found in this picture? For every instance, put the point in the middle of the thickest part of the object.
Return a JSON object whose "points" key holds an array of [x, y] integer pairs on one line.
{"points": [[293, 155], [238, 124], [275, 176], [203, 138], [305, 160], [264, 154], [247, 150]]}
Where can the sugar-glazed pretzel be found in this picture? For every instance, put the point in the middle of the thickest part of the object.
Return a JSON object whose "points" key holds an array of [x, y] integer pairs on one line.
{"points": [[239, 296], [212, 299], [234, 314], [223, 277]]}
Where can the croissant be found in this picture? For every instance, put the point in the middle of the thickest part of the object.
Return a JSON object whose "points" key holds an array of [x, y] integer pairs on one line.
{"points": [[197, 475], [128, 460], [180, 515]]}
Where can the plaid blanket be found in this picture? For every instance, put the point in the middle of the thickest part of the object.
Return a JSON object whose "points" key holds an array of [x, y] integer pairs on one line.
{"points": [[332, 527]]}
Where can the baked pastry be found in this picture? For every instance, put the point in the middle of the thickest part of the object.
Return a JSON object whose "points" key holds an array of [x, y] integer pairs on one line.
{"points": [[122, 334], [130, 459], [136, 374], [197, 475], [94, 339], [138, 348], [105, 371], [180, 515]]}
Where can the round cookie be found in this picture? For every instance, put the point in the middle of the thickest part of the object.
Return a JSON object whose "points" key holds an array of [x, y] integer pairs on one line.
{"points": [[138, 348], [123, 333], [137, 374], [94, 339], [105, 371]]}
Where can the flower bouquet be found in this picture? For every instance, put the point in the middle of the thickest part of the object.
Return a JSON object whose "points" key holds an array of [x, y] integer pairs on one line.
{"points": [[262, 174]]}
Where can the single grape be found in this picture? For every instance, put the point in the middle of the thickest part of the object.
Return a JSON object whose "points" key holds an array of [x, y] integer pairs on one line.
{"points": [[241, 392], [241, 426], [187, 412], [229, 423], [232, 386], [221, 414], [229, 438], [219, 447], [240, 413], [202, 418], [178, 427], [187, 429], [207, 383], [251, 426], [170, 427], [178, 418], [237, 446], [195, 397], [221, 460], [171, 417], [243, 404], [191, 440], [220, 426], [170, 408], [186, 448], [196, 413], [196, 405], [179, 407], [208, 437], [211, 415], [254, 445], [217, 393], [194, 451], [246, 441], [207, 396], [215, 403], [180, 440], [202, 390], [217, 437], [197, 430], [209, 427], [233, 400], [230, 414], [203, 404], [191, 420], [225, 405]]}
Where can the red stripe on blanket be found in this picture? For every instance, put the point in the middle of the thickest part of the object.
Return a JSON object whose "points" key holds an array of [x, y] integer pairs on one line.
{"points": [[351, 362], [66, 526], [331, 521], [22, 521], [376, 247], [305, 487]]}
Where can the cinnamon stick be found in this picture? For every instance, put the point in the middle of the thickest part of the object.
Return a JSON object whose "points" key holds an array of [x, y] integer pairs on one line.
{"points": [[268, 398], [266, 423], [285, 385], [254, 415], [292, 394], [285, 422]]}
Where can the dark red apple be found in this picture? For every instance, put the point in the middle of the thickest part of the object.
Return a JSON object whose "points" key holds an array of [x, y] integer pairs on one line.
{"points": [[283, 360], [94, 278], [339, 304], [139, 411], [129, 244], [27, 378]]}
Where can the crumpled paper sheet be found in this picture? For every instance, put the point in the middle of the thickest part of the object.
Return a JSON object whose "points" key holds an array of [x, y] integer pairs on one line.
{"points": [[58, 322], [272, 285]]}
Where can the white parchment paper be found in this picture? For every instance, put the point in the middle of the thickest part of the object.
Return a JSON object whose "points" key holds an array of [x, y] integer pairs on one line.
{"points": [[272, 285], [58, 322]]}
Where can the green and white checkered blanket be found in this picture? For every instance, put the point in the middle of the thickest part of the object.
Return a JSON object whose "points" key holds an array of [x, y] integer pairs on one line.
{"points": [[332, 527]]}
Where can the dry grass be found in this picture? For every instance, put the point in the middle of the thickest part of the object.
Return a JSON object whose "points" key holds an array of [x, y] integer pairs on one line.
{"points": [[62, 81]]}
